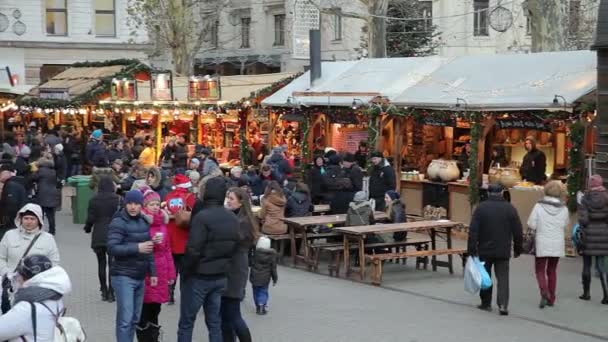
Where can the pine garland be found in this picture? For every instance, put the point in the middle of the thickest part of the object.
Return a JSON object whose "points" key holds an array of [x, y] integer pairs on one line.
{"points": [[476, 131], [576, 165]]}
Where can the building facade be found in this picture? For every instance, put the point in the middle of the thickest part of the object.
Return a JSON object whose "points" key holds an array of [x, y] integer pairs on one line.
{"points": [[262, 36], [39, 38]]}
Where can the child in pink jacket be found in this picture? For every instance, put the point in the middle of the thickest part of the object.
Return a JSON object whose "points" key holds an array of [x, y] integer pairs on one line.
{"points": [[148, 328]]}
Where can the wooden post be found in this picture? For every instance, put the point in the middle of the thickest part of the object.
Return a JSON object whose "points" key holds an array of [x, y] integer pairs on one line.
{"points": [[159, 137], [123, 119], [398, 127]]}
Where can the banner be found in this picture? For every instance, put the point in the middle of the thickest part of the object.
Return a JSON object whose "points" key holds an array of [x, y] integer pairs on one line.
{"points": [[526, 124]]}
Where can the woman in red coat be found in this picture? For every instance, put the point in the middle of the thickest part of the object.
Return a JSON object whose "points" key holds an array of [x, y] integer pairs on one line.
{"points": [[157, 294], [177, 200]]}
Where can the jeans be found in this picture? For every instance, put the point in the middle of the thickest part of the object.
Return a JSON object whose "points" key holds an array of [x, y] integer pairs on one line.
{"points": [[104, 263], [197, 292], [546, 275], [501, 270], [233, 324], [129, 300], [74, 170], [50, 216], [587, 261], [260, 295]]}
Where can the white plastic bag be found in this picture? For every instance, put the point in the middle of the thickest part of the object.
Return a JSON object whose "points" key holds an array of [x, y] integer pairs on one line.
{"points": [[472, 277]]}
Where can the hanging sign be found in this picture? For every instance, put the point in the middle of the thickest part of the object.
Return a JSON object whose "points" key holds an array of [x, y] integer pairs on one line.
{"points": [[55, 94], [260, 115], [443, 122], [521, 123], [161, 86], [124, 89]]}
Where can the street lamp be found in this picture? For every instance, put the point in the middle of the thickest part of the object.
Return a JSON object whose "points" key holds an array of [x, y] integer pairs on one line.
{"points": [[459, 100], [291, 100], [354, 104], [556, 101]]}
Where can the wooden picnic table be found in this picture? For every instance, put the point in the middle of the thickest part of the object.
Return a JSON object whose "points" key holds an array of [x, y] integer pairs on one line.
{"points": [[359, 233], [318, 208], [300, 224]]}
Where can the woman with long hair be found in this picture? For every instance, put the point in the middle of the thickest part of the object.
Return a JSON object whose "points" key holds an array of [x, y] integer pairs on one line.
{"points": [[233, 324], [273, 209]]}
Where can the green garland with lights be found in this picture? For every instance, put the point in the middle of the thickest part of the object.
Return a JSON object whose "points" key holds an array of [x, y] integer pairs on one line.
{"points": [[576, 165], [305, 129], [476, 132]]}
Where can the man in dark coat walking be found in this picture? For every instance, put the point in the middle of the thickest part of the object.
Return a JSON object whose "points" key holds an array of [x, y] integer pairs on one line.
{"points": [[180, 159], [213, 240], [381, 179], [12, 199], [495, 228]]}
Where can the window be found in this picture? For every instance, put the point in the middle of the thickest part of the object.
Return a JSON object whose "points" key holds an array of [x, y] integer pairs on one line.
{"points": [[279, 30], [426, 11], [528, 25], [480, 22], [337, 26], [574, 17], [245, 32], [105, 18], [215, 34], [56, 17]]}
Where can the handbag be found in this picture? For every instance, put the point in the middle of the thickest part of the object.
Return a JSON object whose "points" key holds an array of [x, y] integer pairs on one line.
{"points": [[7, 285], [529, 243]]}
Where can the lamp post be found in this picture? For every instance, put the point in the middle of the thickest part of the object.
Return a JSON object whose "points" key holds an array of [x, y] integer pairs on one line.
{"points": [[459, 100], [354, 104], [556, 101]]}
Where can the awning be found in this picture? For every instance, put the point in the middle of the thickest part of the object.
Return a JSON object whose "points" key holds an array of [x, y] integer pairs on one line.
{"points": [[506, 82]]}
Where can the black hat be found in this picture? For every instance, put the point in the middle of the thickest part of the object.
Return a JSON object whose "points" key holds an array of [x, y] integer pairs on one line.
{"points": [[376, 154], [206, 152], [215, 190], [349, 157]]}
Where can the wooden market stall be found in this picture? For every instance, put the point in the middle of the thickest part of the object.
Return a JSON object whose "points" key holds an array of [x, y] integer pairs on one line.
{"points": [[485, 114]]}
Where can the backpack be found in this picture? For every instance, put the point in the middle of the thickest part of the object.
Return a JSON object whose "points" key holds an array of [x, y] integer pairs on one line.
{"points": [[336, 179], [67, 329]]}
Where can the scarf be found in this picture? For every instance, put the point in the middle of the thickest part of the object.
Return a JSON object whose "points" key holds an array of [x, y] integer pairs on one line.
{"points": [[35, 294]]}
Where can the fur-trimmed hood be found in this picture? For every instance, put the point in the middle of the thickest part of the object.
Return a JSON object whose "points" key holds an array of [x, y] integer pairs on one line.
{"points": [[158, 177]]}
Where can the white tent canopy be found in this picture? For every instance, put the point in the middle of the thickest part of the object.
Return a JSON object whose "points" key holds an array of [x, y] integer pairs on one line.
{"points": [[345, 81], [492, 82], [485, 82]]}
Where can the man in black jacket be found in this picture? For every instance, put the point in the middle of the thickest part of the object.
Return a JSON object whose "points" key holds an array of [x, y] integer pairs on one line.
{"points": [[180, 159], [13, 197], [495, 227], [534, 165], [213, 240], [381, 179]]}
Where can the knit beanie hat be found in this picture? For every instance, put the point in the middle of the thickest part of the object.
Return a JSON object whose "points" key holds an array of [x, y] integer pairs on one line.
{"points": [[195, 161], [360, 197], [182, 181], [377, 154], [134, 196], [393, 195], [33, 265], [97, 134], [596, 181], [150, 196], [263, 243], [194, 176]]}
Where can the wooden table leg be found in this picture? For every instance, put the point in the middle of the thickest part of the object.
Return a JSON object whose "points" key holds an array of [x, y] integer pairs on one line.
{"points": [[294, 254], [449, 242], [307, 260], [346, 255], [434, 247], [361, 257]]}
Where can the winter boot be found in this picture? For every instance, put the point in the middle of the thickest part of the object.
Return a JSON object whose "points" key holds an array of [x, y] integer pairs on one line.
{"points": [[153, 332], [104, 293], [264, 311], [258, 309], [586, 288], [172, 294], [142, 333], [604, 280]]}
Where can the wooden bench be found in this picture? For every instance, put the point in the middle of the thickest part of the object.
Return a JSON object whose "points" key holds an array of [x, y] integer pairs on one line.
{"points": [[377, 259], [336, 252], [281, 240]]}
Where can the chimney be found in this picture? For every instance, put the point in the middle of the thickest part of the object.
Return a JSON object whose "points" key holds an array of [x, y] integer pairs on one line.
{"points": [[315, 56]]}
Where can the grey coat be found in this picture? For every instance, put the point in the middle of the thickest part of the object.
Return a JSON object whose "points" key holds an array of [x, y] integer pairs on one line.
{"points": [[593, 218], [239, 264], [47, 194]]}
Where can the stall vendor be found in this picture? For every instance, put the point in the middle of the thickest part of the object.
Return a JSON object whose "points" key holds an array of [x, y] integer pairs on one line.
{"points": [[463, 158], [534, 164], [499, 157]]}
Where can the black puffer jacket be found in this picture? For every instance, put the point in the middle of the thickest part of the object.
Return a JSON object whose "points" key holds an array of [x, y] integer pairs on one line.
{"points": [[593, 218], [124, 235], [315, 179], [102, 208], [239, 265], [298, 204], [13, 198], [495, 227], [47, 194], [181, 156], [264, 267], [214, 235], [381, 179]]}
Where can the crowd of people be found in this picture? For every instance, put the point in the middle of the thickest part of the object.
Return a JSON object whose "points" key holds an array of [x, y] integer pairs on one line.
{"points": [[184, 223]]}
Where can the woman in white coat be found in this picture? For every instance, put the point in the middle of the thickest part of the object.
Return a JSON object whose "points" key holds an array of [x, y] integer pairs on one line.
{"points": [[549, 219], [40, 285]]}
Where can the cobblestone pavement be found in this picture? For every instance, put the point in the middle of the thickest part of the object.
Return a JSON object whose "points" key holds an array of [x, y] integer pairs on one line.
{"points": [[413, 306]]}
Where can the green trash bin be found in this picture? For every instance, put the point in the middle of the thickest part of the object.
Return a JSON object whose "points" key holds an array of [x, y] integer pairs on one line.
{"points": [[80, 202]]}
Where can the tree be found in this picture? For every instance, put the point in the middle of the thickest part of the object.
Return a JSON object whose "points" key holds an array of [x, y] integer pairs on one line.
{"points": [[409, 38], [181, 26], [549, 24]]}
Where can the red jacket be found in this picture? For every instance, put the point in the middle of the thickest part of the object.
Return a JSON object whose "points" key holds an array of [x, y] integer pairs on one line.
{"points": [[176, 200]]}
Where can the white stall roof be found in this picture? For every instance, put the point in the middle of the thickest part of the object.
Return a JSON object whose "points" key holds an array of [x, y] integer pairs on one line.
{"points": [[350, 80], [506, 82]]}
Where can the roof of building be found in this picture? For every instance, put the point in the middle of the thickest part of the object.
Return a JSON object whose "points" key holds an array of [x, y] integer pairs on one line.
{"points": [[78, 80]]}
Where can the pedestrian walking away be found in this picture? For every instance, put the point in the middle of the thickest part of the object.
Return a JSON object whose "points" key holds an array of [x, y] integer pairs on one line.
{"points": [[213, 241], [263, 270], [548, 222], [130, 245], [495, 228], [593, 220]]}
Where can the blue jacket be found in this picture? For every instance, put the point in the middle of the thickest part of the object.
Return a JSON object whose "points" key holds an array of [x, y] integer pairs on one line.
{"points": [[96, 153], [124, 234]]}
